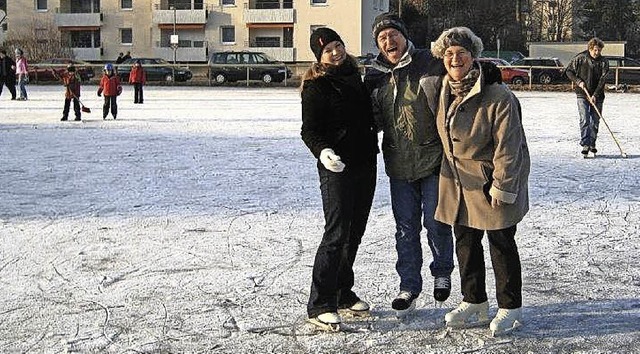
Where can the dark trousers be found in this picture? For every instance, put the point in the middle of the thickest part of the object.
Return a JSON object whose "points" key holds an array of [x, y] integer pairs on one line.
{"points": [[67, 104], [346, 201], [110, 103], [505, 260], [137, 93], [11, 85]]}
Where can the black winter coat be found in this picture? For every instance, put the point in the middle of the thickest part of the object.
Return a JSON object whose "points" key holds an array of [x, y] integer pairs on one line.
{"points": [[337, 114], [589, 70], [6, 72]]}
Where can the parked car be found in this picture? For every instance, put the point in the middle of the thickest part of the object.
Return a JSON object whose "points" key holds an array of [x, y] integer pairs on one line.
{"points": [[44, 72], [552, 73], [628, 70], [509, 75], [156, 69], [233, 66]]}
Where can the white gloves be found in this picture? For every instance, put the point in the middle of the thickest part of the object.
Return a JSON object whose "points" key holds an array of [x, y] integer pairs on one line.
{"points": [[331, 161]]}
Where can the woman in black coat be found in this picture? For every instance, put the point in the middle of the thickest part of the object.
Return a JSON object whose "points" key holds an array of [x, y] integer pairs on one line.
{"points": [[337, 126], [7, 73]]}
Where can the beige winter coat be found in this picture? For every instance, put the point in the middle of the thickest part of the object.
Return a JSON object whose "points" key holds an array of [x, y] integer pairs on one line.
{"points": [[485, 155]]}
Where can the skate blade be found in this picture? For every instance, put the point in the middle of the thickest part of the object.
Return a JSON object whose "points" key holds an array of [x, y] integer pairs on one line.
{"points": [[402, 314], [351, 314], [516, 325], [468, 324], [326, 327]]}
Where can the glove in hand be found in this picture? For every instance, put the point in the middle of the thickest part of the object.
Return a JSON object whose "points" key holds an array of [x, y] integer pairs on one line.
{"points": [[331, 161]]}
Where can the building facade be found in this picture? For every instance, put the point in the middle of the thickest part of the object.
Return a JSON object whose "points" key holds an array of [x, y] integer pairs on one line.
{"points": [[97, 30]]}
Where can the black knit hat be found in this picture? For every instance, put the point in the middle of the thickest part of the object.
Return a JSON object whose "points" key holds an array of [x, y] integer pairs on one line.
{"points": [[388, 20], [320, 38]]}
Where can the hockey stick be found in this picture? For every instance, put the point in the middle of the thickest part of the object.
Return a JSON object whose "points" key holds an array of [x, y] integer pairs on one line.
{"points": [[83, 108], [589, 98]]}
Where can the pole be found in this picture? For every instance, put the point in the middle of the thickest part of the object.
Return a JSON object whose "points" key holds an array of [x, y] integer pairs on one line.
{"points": [[400, 8], [175, 48]]}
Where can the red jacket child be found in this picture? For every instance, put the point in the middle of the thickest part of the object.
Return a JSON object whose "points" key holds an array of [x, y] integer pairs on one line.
{"points": [[110, 85], [137, 75]]}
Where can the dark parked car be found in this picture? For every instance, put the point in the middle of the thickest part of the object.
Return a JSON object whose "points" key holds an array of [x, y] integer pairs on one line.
{"points": [[156, 69], [509, 75], [44, 72], [234, 66], [628, 71], [552, 73]]}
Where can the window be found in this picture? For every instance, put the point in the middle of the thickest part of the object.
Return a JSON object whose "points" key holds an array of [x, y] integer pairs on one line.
{"points": [[228, 34], [126, 36], [228, 2], [319, 2], [41, 4], [126, 4]]}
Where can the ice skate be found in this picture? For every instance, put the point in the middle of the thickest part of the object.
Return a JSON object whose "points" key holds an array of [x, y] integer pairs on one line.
{"points": [[404, 303], [585, 151], [328, 321], [358, 310], [468, 315], [506, 320], [593, 150], [441, 289]]}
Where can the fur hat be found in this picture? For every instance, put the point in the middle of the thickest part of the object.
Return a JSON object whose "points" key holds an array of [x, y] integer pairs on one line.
{"points": [[320, 38], [457, 36], [388, 20]]}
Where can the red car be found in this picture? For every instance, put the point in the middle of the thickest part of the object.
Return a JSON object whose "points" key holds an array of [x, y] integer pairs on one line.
{"points": [[42, 71], [509, 75]]}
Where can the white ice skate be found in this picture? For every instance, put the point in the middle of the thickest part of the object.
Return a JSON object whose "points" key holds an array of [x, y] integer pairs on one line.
{"points": [[468, 315], [358, 310], [506, 320], [328, 321], [404, 303]]}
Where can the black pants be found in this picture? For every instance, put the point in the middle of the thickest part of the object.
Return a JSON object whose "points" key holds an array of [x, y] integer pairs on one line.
{"points": [[110, 103], [346, 201], [505, 260], [67, 104], [137, 93], [11, 85]]}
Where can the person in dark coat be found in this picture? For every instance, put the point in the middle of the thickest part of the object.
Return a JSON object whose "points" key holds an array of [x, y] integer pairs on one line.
{"points": [[71, 82], [588, 71], [338, 129], [7, 73], [412, 154], [110, 86], [120, 58]]}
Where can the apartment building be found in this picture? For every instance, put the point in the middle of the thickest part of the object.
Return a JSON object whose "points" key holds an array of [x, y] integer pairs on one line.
{"points": [[98, 30]]}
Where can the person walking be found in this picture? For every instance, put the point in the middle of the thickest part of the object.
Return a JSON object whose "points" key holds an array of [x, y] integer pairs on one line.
{"points": [[110, 86], [22, 71], [137, 77], [71, 83], [412, 155], [588, 71], [483, 180], [7, 73], [338, 129]]}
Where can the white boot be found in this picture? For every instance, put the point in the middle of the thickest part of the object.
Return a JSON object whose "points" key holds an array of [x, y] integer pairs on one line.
{"points": [[506, 320], [468, 315], [328, 321], [359, 309]]}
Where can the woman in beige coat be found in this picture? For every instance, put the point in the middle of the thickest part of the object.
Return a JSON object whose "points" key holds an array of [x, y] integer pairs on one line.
{"points": [[483, 180]]}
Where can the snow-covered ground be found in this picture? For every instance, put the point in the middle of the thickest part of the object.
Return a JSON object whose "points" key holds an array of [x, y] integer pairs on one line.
{"points": [[190, 225]]}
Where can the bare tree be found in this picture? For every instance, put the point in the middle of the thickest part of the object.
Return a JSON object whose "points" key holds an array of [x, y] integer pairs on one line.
{"points": [[39, 40], [550, 20]]}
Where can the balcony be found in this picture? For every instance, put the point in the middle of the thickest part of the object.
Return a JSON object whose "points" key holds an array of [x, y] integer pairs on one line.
{"points": [[282, 54], [268, 15], [183, 54], [88, 54], [181, 16], [78, 19]]}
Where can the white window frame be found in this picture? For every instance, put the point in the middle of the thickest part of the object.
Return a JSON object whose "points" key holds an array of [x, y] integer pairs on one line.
{"points": [[317, 3], [228, 5], [37, 4], [222, 28], [125, 8], [122, 36]]}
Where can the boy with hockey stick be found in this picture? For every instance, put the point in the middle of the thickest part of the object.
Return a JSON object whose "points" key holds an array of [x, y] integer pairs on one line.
{"points": [[110, 86], [71, 84]]}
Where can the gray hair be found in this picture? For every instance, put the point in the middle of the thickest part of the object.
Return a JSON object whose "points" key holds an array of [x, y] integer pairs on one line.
{"points": [[457, 36]]}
